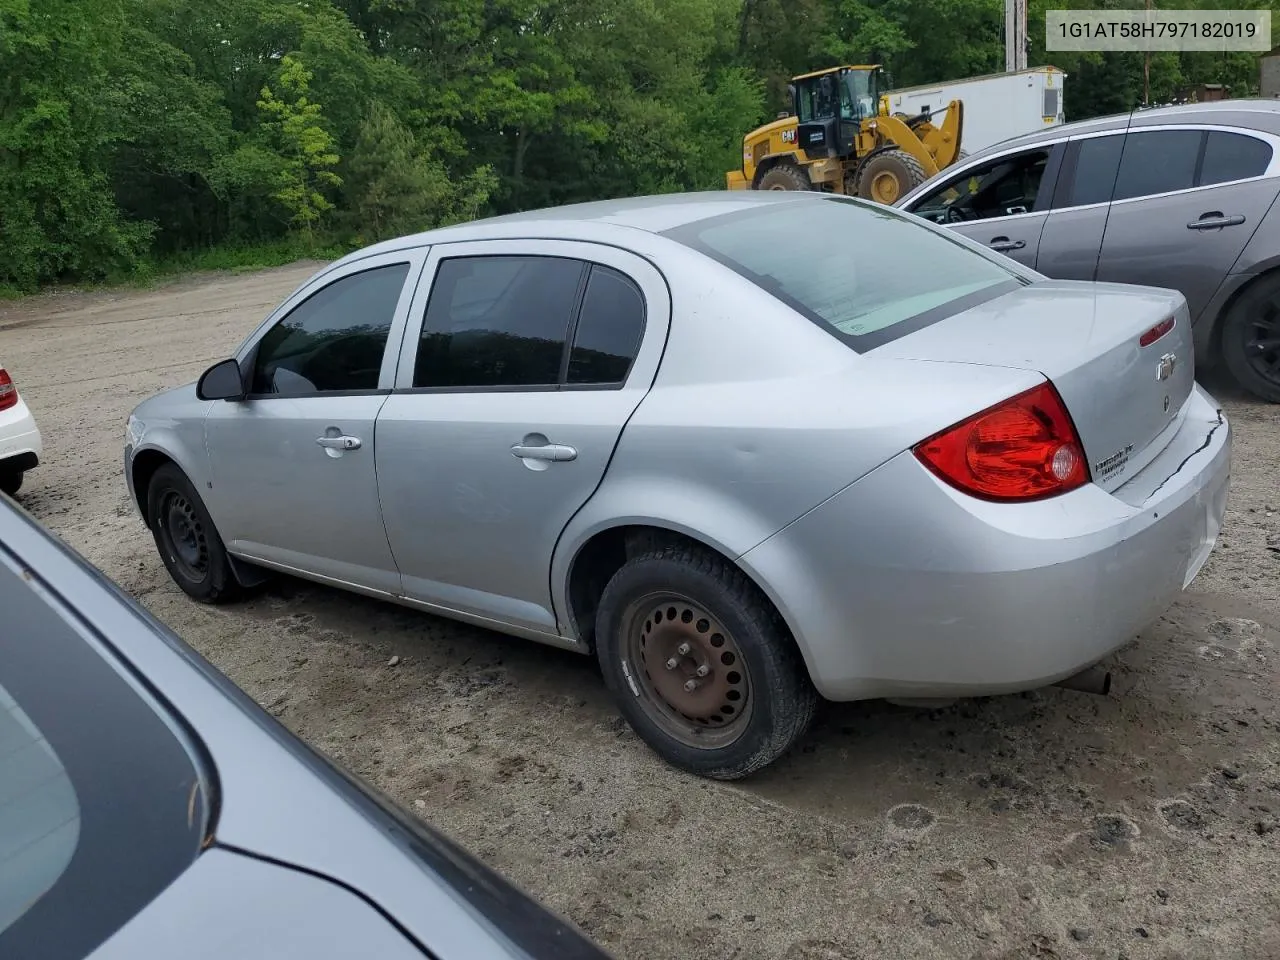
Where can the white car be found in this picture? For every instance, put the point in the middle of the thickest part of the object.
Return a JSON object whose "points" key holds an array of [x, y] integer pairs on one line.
{"points": [[20, 446]]}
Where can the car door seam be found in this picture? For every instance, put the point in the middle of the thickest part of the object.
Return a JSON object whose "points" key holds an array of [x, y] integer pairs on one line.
{"points": [[567, 627]]}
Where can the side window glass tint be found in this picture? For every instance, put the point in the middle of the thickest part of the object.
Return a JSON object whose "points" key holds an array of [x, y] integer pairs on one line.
{"points": [[1233, 156], [609, 329], [1001, 188], [333, 340], [497, 322], [1097, 163], [1158, 161], [39, 813]]}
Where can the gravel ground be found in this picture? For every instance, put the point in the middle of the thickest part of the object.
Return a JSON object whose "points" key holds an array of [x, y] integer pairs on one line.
{"points": [[1054, 824]]}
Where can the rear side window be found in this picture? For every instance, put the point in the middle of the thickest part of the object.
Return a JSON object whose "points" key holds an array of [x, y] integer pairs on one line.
{"points": [[867, 273], [498, 321], [1157, 161], [334, 340], [609, 329], [102, 804], [1233, 156]]}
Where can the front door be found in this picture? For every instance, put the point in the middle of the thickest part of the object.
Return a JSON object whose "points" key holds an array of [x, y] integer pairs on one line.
{"points": [[1002, 203], [510, 400], [1186, 203], [293, 472]]}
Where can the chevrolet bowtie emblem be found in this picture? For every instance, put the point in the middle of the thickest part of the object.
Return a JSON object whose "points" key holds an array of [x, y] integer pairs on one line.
{"points": [[1164, 369]]}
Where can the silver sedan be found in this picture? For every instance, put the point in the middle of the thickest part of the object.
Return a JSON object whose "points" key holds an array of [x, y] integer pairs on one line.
{"points": [[749, 452]]}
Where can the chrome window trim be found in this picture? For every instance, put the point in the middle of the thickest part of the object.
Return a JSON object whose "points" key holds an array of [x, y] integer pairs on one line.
{"points": [[1272, 171]]}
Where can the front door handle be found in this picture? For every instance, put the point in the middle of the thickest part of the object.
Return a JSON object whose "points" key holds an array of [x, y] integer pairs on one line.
{"points": [[1213, 220], [339, 443], [556, 452], [1001, 244]]}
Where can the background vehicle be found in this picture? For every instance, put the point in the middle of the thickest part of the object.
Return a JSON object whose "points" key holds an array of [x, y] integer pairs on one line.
{"points": [[148, 808], [725, 465], [1181, 197], [997, 106], [839, 138], [20, 443]]}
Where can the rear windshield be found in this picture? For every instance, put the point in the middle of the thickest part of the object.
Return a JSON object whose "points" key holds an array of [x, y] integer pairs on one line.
{"points": [[866, 274]]}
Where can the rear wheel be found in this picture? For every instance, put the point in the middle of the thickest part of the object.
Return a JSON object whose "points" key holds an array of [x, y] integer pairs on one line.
{"points": [[10, 481], [785, 176], [888, 176], [189, 545], [700, 664], [1251, 339]]}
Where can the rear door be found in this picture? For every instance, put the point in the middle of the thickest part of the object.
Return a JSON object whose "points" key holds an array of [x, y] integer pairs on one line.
{"points": [[1001, 202], [521, 364], [1186, 202]]}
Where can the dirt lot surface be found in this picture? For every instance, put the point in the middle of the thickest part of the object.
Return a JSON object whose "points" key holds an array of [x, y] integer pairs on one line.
{"points": [[1055, 824]]}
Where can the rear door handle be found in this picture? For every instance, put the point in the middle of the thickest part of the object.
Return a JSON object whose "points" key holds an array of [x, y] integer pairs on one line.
{"points": [[1001, 244], [557, 452], [339, 443], [1213, 220]]}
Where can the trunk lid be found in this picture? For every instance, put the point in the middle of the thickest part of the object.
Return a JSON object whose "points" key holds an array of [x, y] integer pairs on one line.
{"points": [[1125, 398]]}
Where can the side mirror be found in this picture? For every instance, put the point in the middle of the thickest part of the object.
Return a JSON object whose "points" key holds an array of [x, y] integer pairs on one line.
{"points": [[222, 381]]}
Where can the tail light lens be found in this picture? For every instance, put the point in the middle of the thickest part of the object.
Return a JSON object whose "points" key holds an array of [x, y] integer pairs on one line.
{"points": [[8, 392], [1025, 448]]}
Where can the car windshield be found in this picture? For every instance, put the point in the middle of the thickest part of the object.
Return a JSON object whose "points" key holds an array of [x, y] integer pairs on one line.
{"points": [[865, 274]]}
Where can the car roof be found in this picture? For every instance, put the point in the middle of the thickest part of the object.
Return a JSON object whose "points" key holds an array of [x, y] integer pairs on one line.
{"points": [[1262, 113], [598, 219]]}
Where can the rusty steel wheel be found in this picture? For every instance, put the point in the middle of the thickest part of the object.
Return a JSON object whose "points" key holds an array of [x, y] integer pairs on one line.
{"points": [[692, 675]]}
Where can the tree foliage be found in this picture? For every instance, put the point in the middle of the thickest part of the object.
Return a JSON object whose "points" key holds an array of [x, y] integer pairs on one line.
{"points": [[132, 129]]}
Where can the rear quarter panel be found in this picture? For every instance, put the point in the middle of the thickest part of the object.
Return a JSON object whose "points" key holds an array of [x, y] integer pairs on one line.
{"points": [[757, 415]]}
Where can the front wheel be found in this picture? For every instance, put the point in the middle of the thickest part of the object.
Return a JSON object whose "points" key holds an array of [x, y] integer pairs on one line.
{"points": [[189, 545], [700, 664], [1251, 339], [887, 177], [10, 481]]}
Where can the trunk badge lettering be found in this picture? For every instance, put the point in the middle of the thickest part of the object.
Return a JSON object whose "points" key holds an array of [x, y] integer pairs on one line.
{"points": [[1164, 369]]}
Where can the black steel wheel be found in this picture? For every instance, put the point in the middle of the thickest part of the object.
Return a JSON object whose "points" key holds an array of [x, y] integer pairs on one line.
{"points": [[700, 664], [187, 540]]}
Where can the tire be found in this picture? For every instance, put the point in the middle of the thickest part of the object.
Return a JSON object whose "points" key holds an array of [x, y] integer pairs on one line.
{"points": [[755, 700], [187, 540], [11, 482], [889, 167], [785, 176], [1255, 318]]}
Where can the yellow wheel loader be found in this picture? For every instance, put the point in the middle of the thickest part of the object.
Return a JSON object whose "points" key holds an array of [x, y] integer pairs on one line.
{"points": [[841, 138]]}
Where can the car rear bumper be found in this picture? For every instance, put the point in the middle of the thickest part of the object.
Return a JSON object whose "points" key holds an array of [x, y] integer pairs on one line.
{"points": [[20, 444], [900, 586]]}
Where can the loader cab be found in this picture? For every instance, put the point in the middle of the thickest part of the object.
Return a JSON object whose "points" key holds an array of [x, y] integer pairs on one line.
{"points": [[830, 106]]}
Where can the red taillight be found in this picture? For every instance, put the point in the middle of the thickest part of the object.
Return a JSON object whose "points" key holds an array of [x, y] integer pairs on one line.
{"points": [[1155, 333], [8, 392], [1025, 448]]}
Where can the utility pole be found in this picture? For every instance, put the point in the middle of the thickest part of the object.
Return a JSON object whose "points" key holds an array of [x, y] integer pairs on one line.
{"points": [[1146, 72], [1015, 35]]}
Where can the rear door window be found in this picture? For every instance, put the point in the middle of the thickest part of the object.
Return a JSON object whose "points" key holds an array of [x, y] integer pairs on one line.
{"points": [[102, 804], [498, 321], [1157, 161]]}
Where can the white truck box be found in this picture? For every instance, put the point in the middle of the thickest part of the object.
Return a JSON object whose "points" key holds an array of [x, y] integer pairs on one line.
{"points": [[996, 106]]}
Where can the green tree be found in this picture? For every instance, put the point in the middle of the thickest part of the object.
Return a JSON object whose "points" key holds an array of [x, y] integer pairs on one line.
{"points": [[396, 186], [295, 126]]}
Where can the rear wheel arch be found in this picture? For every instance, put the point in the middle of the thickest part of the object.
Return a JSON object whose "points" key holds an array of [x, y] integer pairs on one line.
{"points": [[1220, 351], [604, 553], [1215, 334]]}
